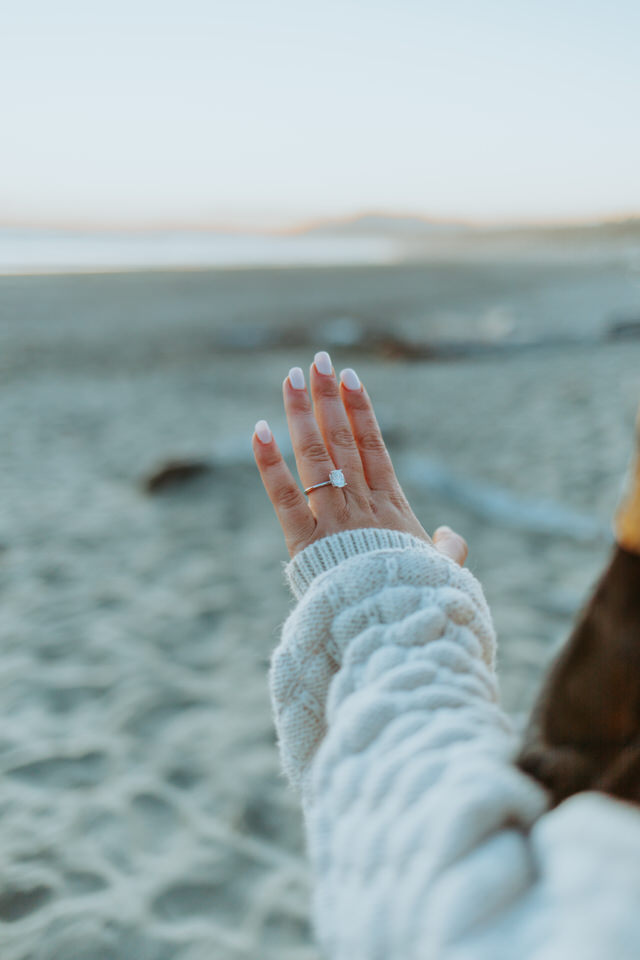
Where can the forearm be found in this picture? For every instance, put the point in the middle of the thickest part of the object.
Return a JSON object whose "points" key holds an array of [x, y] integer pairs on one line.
{"points": [[385, 699]]}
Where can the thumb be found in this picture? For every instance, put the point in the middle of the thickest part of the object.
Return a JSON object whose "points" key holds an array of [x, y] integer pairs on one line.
{"points": [[451, 544]]}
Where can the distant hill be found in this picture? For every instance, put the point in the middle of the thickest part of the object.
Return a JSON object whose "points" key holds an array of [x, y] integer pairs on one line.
{"points": [[616, 230], [415, 228], [383, 225]]}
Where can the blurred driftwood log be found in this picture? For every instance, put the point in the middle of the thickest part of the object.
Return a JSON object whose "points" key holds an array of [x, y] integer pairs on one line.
{"points": [[348, 333], [624, 328], [175, 473]]}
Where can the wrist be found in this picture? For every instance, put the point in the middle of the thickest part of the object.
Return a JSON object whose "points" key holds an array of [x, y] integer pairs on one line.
{"points": [[327, 552]]}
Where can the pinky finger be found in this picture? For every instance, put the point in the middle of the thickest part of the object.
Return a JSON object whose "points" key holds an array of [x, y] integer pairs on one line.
{"points": [[296, 519]]}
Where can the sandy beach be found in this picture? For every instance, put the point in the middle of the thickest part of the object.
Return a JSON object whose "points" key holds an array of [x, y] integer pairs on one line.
{"points": [[144, 816]]}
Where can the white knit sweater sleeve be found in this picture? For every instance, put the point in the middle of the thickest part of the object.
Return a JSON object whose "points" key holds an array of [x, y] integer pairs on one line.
{"points": [[386, 708]]}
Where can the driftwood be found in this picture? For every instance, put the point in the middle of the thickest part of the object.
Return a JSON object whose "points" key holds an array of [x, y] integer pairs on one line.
{"points": [[175, 473], [370, 339], [626, 328], [584, 731], [498, 505]]}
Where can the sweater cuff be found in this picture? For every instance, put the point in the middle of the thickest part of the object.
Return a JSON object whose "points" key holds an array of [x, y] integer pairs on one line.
{"points": [[328, 552]]}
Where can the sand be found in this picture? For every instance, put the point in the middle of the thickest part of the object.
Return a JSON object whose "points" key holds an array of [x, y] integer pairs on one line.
{"points": [[144, 816]]}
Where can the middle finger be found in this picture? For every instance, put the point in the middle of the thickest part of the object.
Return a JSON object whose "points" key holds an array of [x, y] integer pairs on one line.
{"points": [[333, 421]]}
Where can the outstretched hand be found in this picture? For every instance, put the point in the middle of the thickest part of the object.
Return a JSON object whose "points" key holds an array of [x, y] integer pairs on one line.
{"points": [[337, 430]]}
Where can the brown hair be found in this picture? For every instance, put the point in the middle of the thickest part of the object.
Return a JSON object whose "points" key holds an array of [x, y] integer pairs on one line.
{"points": [[584, 730]]}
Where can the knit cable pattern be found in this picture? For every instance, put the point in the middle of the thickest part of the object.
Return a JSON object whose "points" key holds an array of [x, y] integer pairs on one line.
{"points": [[425, 840]]}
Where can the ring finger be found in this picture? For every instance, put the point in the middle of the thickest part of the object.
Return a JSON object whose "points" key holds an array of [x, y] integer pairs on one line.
{"points": [[312, 459]]}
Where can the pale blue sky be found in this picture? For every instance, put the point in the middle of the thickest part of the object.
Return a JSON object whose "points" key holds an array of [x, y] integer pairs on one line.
{"points": [[260, 112]]}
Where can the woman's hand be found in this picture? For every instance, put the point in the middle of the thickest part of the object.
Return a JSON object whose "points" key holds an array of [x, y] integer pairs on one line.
{"points": [[339, 431]]}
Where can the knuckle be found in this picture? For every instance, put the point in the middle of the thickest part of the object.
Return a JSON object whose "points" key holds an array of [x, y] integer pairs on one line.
{"points": [[342, 437], [326, 388], [360, 501], [397, 499], [357, 399], [343, 514], [372, 441], [288, 496], [270, 456], [298, 400], [313, 450]]}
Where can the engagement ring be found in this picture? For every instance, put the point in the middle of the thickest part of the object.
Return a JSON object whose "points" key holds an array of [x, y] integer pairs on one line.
{"points": [[336, 479]]}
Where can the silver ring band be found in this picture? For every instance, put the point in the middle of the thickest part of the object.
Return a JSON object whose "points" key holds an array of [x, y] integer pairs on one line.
{"points": [[336, 479], [316, 485]]}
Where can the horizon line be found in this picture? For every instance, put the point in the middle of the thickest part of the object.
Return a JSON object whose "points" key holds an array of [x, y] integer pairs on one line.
{"points": [[301, 226]]}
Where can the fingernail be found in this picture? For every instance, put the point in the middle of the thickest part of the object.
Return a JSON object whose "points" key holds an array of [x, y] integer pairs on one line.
{"points": [[296, 378], [350, 379], [322, 361], [263, 431]]}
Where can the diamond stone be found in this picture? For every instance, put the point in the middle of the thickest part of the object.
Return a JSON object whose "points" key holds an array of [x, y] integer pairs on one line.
{"points": [[337, 478]]}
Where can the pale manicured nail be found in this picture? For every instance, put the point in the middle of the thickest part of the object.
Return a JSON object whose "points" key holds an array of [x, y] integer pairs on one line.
{"points": [[322, 361], [263, 431], [296, 378], [350, 379]]}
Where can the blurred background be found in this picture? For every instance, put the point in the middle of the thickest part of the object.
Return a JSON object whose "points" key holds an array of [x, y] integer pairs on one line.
{"points": [[195, 197]]}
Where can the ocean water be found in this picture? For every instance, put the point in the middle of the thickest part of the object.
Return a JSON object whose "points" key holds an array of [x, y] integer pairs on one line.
{"points": [[27, 251]]}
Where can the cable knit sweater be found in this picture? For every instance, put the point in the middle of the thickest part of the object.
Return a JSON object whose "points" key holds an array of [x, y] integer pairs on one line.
{"points": [[424, 839]]}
